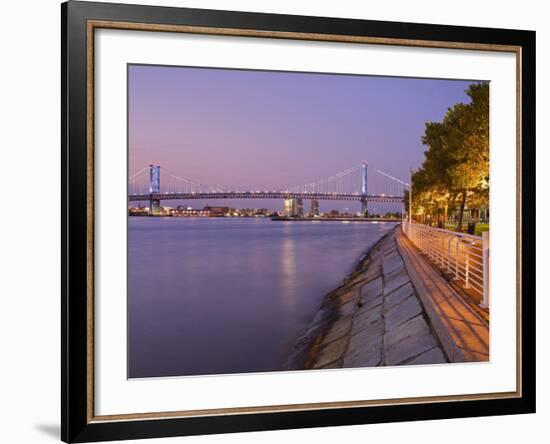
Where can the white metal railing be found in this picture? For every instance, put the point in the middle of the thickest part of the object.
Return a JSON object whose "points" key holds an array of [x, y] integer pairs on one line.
{"points": [[463, 256]]}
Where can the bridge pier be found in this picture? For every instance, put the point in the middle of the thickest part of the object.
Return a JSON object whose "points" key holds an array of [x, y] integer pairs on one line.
{"points": [[364, 208]]}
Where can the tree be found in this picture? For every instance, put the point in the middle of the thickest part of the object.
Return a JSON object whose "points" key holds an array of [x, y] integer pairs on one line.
{"points": [[456, 164]]}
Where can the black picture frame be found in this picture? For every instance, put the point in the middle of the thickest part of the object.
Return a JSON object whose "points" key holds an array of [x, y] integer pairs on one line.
{"points": [[76, 327]]}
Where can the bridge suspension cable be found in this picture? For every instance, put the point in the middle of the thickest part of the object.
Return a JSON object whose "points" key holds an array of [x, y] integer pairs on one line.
{"points": [[133, 176], [392, 178], [185, 185], [339, 183], [348, 182]]}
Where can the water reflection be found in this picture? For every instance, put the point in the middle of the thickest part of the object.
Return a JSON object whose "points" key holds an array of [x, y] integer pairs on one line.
{"points": [[288, 262], [218, 296]]}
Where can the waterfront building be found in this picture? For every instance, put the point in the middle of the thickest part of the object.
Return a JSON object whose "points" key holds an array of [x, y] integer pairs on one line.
{"points": [[293, 207], [287, 207], [217, 211], [298, 209], [190, 212], [138, 211], [314, 208]]}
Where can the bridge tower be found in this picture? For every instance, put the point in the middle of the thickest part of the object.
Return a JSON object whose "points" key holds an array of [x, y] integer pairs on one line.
{"points": [[364, 209], [154, 188]]}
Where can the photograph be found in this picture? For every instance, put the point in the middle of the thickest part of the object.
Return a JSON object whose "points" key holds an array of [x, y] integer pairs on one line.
{"points": [[278, 221], [282, 221]]}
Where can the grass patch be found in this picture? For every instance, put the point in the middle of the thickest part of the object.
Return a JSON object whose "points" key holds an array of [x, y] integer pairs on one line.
{"points": [[480, 228]]}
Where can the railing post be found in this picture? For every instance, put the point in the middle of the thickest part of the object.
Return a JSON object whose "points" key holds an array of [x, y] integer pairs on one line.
{"points": [[433, 247], [467, 270], [449, 255], [442, 253], [485, 255], [470, 266], [457, 258]]}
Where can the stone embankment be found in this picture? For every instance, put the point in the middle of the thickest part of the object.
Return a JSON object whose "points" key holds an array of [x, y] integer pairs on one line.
{"points": [[378, 318]]}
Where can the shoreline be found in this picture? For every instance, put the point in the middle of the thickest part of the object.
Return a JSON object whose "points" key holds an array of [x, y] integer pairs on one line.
{"points": [[334, 219], [305, 347], [375, 318]]}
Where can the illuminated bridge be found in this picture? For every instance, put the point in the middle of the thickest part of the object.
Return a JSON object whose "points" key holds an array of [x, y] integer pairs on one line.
{"points": [[266, 195], [348, 185]]}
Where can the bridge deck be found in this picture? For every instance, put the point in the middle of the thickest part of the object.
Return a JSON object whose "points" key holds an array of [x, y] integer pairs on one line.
{"points": [[382, 198]]}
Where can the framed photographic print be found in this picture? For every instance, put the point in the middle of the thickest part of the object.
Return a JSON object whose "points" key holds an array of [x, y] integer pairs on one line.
{"points": [[275, 221]]}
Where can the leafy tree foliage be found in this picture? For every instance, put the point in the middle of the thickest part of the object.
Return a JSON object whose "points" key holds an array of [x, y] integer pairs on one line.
{"points": [[455, 171]]}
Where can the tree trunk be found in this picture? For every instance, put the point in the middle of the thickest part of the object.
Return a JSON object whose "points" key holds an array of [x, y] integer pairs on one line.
{"points": [[461, 213]]}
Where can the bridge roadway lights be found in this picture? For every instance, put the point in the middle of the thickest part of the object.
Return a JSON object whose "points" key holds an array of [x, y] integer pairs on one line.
{"points": [[272, 195]]}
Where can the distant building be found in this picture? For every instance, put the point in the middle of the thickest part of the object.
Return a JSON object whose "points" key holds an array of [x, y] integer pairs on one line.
{"points": [[138, 211], [293, 207], [217, 211], [183, 211], [298, 208], [287, 207], [314, 208]]}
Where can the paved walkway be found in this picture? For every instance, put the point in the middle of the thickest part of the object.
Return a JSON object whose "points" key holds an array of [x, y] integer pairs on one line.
{"points": [[385, 314], [463, 333]]}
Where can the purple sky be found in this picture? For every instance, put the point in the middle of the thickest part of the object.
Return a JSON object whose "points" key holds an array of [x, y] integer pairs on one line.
{"points": [[269, 130]]}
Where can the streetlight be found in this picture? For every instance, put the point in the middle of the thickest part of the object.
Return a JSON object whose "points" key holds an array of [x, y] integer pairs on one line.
{"points": [[410, 195]]}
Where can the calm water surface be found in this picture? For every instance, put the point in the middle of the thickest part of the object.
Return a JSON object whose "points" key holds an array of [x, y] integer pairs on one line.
{"points": [[224, 295]]}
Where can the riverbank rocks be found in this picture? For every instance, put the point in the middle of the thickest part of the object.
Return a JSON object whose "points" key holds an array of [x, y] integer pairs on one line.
{"points": [[374, 319]]}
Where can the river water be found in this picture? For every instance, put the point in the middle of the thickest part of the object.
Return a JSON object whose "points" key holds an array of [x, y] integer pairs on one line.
{"points": [[229, 295]]}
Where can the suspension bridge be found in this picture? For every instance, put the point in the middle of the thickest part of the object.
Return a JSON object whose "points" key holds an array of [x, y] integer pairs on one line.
{"points": [[347, 185]]}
